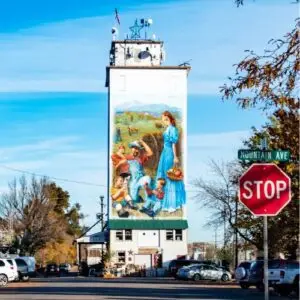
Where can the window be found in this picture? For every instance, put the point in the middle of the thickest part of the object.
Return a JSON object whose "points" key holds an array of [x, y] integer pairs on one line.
{"points": [[293, 265], [2, 264], [169, 235], [121, 257], [128, 235], [20, 262], [10, 262], [178, 234], [119, 235], [94, 253]]}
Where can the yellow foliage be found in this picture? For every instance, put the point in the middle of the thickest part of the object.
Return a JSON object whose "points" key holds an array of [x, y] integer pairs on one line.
{"points": [[58, 253]]}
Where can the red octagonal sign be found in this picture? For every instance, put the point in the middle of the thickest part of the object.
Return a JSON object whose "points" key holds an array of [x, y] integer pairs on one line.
{"points": [[265, 189]]}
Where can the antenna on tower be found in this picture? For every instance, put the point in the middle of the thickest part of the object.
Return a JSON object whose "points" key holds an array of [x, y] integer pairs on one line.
{"points": [[146, 23]]}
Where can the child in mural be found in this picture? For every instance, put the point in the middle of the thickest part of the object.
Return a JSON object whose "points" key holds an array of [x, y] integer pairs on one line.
{"points": [[154, 198], [120, 162], [121, 198], [140, 153], [175, 196]]}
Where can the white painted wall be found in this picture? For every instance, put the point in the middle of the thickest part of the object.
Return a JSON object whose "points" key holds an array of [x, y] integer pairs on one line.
{"points": [[148, 238], [171, 249], [121, 49]]}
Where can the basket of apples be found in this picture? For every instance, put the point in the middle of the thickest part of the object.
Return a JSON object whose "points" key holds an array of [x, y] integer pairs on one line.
{"points": [[175, 174]]}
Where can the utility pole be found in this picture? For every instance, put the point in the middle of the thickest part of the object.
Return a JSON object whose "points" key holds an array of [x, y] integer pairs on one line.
{"points": [[102, 223], [102, 211]]}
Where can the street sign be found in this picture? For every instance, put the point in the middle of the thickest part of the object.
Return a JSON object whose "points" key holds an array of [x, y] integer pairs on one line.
{"points": [[264, 155], [265, 189]]}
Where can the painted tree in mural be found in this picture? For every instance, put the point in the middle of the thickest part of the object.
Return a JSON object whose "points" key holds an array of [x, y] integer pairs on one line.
{"points": [[267, 82]]}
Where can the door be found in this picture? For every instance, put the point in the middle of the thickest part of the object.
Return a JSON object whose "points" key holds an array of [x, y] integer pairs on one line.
{"points": [[143, 259], [205, 272], [214, 273]]}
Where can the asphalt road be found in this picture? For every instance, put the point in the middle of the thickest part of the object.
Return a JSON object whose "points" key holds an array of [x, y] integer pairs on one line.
{"points": [[82, 288]]}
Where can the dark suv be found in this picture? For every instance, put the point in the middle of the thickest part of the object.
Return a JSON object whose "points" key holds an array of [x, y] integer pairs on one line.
{"points": [[52, 269], [250, 273]]}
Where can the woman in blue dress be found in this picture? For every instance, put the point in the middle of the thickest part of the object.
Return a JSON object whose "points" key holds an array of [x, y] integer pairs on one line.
{"points": [[175, 196]]}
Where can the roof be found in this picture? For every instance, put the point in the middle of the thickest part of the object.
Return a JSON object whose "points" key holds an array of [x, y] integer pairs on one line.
{"points": [[98, 238], [136, 42], [150, 67], [147, 224]]}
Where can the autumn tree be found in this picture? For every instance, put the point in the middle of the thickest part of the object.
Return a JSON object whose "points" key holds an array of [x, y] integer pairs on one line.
{"points": [[270, 82], [39, 212], [29, 209]]}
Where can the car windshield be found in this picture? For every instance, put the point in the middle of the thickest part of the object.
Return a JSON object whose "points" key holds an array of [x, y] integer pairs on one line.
{"points": [[192, 266]]}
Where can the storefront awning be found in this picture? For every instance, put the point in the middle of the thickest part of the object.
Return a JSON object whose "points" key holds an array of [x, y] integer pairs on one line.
{"points": [[147, 224]]}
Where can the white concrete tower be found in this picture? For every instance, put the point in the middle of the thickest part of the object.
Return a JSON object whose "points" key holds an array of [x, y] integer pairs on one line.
{"points": [[147, 151]]}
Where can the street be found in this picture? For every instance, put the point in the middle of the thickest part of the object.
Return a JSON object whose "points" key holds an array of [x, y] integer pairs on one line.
{"points": [[125, 288]]}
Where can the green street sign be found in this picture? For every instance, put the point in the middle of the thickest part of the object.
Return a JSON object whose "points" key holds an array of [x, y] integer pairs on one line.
{"points": [[264, 155]]}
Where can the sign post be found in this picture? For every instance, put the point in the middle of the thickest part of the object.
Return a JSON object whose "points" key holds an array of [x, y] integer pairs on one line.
{"points": [[266, 254], [265, 190]]}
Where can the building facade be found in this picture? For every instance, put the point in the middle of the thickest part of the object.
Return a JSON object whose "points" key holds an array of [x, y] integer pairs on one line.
{"points": [[147, 154]]}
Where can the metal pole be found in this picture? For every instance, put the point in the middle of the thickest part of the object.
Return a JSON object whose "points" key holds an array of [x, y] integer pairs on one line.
{"points": [[102, 213], [266, 275], [236, 236], [102, 224], [264, 146]]}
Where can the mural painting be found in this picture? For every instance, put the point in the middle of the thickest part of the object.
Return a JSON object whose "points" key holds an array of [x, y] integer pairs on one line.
{"points": [[147, 170]]}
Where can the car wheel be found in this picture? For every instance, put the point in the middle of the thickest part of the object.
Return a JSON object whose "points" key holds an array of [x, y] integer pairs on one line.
{"points": [[25, 278], [197, 277], [225, 277], [244, 286], [3, 280]]}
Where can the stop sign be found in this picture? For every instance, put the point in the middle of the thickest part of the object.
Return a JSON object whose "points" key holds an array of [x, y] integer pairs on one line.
{"points": [[265, 189]]}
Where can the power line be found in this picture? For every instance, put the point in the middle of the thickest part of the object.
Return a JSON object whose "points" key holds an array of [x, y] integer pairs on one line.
{"points": [[51, 177], [64, 179]]}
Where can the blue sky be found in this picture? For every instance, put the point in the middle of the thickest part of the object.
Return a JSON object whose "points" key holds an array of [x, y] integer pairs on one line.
{"points": [[53, 103]]}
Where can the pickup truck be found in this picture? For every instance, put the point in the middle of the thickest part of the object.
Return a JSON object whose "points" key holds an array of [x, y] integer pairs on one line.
{"points": [[284, 276]]}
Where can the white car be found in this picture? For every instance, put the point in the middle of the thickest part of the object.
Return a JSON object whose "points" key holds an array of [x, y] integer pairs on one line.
{"points": [[7, 272], [13, 264]]}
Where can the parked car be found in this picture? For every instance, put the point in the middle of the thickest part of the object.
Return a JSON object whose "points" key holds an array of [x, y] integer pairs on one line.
{"points": [[203, 272], [64, 268], [52, 269], [23, 269], [7, 272], [284, 276], [14, 267], [176, 264], [30, 261], [250, 273]]}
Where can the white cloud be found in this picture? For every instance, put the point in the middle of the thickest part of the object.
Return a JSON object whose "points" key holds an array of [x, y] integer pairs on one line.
{"points": [[72, 55]]}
